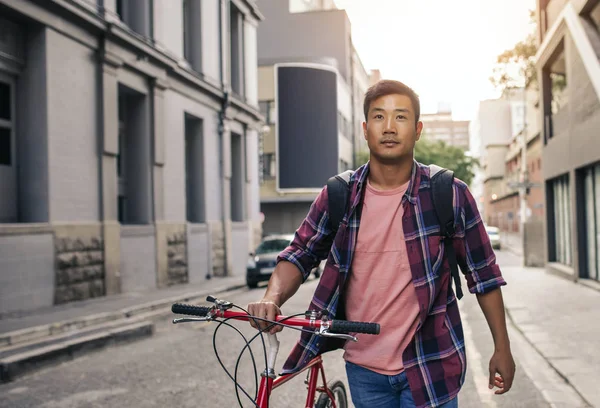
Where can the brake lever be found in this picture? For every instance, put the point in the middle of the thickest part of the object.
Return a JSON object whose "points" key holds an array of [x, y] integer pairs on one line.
{"points": [[326, 333], [221, 304], [192, 319]]}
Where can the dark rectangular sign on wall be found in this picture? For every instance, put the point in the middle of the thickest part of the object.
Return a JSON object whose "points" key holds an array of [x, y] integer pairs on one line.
{"points": [[307, 128]]}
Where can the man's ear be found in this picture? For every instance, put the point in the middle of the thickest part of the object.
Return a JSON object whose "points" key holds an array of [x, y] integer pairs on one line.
{"points": [[364, 126], [419, 129]]}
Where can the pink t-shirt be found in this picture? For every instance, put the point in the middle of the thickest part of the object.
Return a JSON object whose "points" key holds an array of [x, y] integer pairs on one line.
{"points": [[380, 285]]}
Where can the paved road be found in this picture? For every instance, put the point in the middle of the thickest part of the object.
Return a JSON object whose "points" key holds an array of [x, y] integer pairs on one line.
{"points": [[177, 367]]}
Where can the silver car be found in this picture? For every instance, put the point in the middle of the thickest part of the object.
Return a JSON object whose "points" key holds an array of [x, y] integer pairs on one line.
{"points": [[494, 234]]}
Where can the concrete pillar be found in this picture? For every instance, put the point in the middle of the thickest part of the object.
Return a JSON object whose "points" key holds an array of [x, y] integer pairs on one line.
{"points": [[158, 118], [226, 198], [111, 229]]}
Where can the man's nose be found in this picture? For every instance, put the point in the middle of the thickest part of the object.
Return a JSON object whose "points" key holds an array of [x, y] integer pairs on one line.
{"points": [[389, 126]]}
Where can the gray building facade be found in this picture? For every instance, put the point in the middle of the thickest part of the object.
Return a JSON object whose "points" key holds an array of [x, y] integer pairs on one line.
{"points": [[129, 145], [312, 36], [569, 75]]}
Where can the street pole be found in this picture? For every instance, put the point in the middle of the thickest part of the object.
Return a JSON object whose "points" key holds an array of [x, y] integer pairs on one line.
{"points": [[524, 173]]}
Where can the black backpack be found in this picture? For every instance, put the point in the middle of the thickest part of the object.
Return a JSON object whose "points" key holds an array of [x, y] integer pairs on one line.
{"points": [[442, 180]]}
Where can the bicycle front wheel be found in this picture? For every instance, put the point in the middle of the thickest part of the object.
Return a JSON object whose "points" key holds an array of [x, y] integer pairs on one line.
{"points": [[338, 389]]}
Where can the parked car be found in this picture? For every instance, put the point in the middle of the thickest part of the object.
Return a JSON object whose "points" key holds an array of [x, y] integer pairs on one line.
{"points": [[261, 262], [494, 234]]}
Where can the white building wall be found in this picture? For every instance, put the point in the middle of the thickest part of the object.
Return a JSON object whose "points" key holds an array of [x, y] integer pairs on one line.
{"points": [[72, 130]]}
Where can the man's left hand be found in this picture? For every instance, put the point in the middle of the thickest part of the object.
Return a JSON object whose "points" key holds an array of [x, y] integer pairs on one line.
{"points": [[502, 363]]}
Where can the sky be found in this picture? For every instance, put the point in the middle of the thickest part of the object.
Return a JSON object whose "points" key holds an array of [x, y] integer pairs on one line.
{"points": [[444, 49]]}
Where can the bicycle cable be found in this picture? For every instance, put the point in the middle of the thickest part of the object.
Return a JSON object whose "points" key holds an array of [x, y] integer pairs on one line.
{"points": [[224, 322], [247, 346], [260, 333]]}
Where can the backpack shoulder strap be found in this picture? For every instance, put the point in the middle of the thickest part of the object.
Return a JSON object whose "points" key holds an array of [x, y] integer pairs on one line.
{"points": [[442, 181], [442, 189], [338, 190]]}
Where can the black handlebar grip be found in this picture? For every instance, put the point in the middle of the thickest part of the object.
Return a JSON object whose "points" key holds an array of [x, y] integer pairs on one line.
{"points": [[190, 309], [345, 327], [210, 299]]}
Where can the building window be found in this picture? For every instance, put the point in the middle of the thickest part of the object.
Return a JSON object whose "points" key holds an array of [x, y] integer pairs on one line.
{"points": [[555, 97], [134, 197], [268, 166], [267, 108], [192, 33], [236, 27], [194, 170], [137, 15], [238, 178], [8, 170], [6, 124], [5, 146], [343, 166], [592, 221], [560, 221], [344, 126]]}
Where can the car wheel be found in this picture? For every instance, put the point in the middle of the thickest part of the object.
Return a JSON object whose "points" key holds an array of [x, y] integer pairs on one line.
{"points": [[252, 284]]}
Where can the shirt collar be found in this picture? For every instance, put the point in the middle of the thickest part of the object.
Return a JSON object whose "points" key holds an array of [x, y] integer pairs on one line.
{"points": [[360, 179]]}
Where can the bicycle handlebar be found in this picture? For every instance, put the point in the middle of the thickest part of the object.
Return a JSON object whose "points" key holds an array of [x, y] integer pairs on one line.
{"points": [[333, 326]]}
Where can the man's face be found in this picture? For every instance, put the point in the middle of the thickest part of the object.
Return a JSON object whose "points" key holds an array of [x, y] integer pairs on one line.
{"points": [[390, 128]]}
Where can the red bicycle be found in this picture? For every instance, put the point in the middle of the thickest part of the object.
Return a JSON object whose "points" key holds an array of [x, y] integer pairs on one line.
{"points": [[331, 395]]}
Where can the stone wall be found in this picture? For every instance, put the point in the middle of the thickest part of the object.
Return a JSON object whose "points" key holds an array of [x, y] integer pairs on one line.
{"points": [[177, 262], [79, 268], [218, 249]]}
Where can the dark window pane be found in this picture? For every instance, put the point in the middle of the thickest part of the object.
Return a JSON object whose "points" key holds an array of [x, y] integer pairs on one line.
{"points": [[5, 101], [5, 153], [120, 8]]}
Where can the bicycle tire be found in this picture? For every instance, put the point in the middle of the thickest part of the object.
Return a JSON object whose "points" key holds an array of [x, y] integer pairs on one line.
{"points": [[338, 389]]}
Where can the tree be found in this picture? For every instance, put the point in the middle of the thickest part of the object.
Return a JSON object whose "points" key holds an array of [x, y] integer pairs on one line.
{"points": [[444, 155], [437, 152], [515, 68]]}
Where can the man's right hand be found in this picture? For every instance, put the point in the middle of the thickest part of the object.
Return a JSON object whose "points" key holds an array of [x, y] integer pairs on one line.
{"points": [[265, 309]]}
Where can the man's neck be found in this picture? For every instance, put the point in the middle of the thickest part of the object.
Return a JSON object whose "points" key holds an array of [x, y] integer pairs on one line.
{"points": [[384, 176]]}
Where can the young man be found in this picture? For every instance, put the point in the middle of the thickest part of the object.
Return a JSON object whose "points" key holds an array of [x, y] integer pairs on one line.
{"points": [[386, 264]]}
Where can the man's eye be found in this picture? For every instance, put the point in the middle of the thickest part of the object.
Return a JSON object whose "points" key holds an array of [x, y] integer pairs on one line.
{"points": [[401, 117], [378, 116]]}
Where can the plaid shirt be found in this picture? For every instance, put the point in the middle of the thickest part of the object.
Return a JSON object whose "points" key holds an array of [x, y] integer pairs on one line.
{"points": [[434, 361]]}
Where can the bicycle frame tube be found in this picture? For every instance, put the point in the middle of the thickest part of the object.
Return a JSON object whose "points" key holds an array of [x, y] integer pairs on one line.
{"points": [[267, 384]]}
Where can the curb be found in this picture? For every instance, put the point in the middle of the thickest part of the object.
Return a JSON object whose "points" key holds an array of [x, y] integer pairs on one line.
{"points": [[20, 364], [42, 331], [39, 350]]}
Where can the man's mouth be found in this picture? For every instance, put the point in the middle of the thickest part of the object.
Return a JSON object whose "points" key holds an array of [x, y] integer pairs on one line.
{"points": [[389, 142]]}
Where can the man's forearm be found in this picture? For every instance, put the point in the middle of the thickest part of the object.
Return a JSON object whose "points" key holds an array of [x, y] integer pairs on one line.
{"points": [[284, 282], [492, 306]]}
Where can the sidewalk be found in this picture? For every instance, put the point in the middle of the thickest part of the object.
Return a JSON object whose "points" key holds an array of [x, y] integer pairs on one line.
{"points": [[40, 338], [561, 319], [147, 299], [512, 241]]}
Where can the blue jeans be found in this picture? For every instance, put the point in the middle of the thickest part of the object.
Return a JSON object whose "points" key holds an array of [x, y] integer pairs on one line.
{"points": [[374, 390]]}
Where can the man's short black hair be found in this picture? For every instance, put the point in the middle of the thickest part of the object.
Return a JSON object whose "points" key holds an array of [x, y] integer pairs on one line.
{"points": [[390, 87]]}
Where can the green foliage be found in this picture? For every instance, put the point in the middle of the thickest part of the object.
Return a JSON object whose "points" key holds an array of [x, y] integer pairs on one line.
{"points": [[362, 157], [434, 152], [516, 67], [450, 157]]}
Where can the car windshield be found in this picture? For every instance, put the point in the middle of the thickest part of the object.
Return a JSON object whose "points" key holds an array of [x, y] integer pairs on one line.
{"points": [[272, 245]]}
